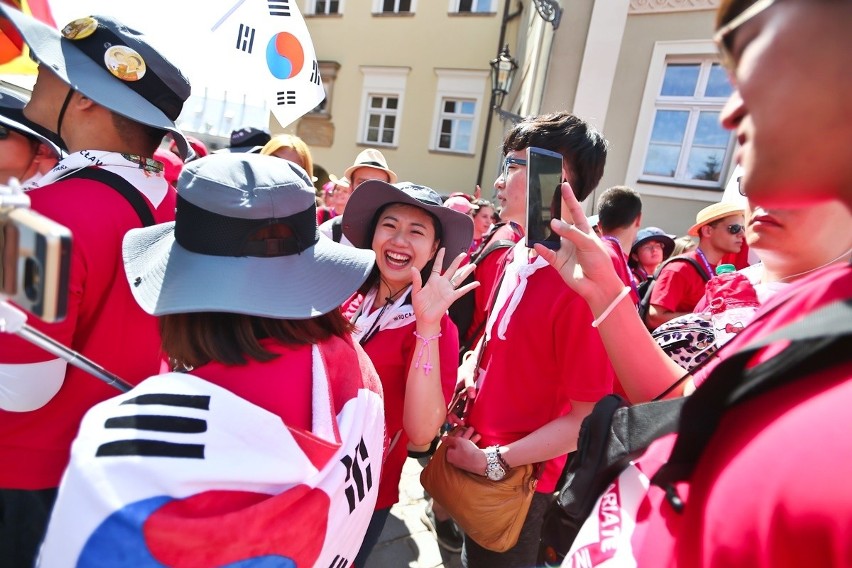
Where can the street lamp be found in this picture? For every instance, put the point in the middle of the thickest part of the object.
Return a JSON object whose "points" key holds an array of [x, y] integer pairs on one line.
{"points": [[503, 69]]}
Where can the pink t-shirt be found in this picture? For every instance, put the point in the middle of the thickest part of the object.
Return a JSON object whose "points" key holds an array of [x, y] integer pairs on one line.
{"points": [[770, 489], [104, 323]]}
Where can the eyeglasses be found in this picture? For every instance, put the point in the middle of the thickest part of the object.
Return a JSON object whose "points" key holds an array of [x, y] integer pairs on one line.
{"points": [[651, 246], [735, 229], [4, 132], [508, 161], [724, 36]]}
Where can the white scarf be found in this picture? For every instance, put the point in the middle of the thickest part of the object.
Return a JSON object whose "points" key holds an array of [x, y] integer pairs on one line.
{"points": [[148, 179], [519, 270], [390, 317]]}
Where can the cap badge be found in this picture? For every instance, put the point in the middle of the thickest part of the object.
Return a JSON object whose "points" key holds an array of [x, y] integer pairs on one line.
{"points": [[80, 28], [124, 63]]}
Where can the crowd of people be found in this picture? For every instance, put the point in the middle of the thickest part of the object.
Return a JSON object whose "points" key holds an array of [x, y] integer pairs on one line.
{"points": [[291, 344]]}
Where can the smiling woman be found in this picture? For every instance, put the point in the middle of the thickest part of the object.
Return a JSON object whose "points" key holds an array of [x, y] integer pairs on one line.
{"points": [[400, 315]]}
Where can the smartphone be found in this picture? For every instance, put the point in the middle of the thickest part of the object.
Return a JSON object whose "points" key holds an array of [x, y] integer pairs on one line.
{"points": [[35, 260], [544, 197]]}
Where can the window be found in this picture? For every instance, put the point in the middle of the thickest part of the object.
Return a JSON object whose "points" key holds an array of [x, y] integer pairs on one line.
{"points": [[324, 7], [472, 6], [381, 105], [456, 125], [393, 6], [687, 144], [381, 119], [458, 104]]}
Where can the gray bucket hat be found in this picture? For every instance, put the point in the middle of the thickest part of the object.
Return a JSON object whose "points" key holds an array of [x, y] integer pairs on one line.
{"points": [[207, 261], [113, 65], [12, 116], [654, 234], [372, 195]]}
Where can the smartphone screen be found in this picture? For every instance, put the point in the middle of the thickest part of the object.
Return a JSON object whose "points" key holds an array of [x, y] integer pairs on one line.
{"points": [[544, 198]]}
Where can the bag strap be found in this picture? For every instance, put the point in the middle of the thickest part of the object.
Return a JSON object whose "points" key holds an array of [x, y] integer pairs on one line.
{"points": [[122, 186], [819, 341]]}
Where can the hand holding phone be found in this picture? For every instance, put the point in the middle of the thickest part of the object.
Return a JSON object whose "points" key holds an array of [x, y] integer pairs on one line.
{"points": [[544, 197]]}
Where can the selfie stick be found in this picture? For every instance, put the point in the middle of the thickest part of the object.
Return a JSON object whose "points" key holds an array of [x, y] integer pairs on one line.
{"points": [[13, 320]]}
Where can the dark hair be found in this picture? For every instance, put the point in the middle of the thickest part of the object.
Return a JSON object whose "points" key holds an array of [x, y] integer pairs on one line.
{"points": [[581, 145], [618, 207], [374, 276], [193, 339], [131, 132]]}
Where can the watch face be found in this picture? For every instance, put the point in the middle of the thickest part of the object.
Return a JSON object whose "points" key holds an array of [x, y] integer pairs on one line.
{"points": [[496, 474]]}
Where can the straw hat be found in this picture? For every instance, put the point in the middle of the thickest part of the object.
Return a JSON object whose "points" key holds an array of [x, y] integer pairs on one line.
{"points": [[712, 213]]}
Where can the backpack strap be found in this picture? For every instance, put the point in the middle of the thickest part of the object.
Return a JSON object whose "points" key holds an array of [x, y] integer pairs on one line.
{"points": [[122, 186], [819, 341], [645, 300], [496, 245]]}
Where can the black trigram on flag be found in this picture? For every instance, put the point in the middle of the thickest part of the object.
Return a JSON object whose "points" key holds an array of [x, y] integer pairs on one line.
{"points": [[158, 423], [286, 97], [279, 7], [245, 38], [315, 75], [339, 562], [360, 473]]}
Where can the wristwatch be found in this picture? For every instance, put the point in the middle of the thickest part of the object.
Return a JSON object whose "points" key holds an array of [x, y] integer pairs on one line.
{"points": [[494, 469]]}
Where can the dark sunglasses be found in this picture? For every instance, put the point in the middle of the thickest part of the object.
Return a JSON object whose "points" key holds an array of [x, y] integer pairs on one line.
{"points": [[4, 132], [735, 229], [724, 35]]}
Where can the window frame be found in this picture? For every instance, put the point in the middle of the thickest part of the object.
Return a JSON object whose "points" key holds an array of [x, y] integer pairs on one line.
{"points": [[454, 7], [463, 85], [383, 82], [310, 8], [378, 8], [665, 53]]}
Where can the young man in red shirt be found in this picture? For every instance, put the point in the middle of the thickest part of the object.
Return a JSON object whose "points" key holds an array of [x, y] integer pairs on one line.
{"points": [[720, 229], [619, 217], [111, 125]]}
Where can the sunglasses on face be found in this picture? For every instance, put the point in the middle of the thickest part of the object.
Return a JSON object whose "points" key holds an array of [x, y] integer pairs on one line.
{"points": [[735, 229], [724, 36], [504, 172], [4, 132]]}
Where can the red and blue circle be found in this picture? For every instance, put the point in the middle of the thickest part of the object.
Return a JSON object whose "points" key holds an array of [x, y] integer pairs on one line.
{"points": [[284, 55]]}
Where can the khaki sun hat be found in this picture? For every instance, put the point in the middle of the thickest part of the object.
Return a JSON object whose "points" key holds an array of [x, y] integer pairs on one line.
{"points": [[712, 213]]}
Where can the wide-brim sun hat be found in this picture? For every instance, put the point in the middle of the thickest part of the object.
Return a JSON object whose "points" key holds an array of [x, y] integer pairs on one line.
{"points": [[372, 195], [370, 158], [12, 116], [208, 261], [113, 65], [654, 234], [713, 213]]}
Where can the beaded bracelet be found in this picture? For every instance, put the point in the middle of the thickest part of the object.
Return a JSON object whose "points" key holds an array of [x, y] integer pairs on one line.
{"points": [[609, 308], [426, 366]]}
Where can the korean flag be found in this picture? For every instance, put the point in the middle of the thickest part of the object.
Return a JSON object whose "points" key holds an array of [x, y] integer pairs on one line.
{"points": [[266, 44]]}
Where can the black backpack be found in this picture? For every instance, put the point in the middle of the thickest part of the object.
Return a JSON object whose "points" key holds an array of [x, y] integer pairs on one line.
{"points": [[616, 432], [461, 311], [647, 287]]}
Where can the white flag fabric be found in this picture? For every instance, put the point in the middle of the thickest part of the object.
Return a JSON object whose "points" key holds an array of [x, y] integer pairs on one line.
{"points": [[181, 472], [266, 46]]}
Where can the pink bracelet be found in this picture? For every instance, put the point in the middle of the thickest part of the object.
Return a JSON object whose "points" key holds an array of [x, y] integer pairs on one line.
{"points": [[426, 366]]}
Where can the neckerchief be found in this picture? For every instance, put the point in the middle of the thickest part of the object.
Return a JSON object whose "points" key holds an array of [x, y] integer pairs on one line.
{"points": [[391, 316], [517, 273], [144, 174]]}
